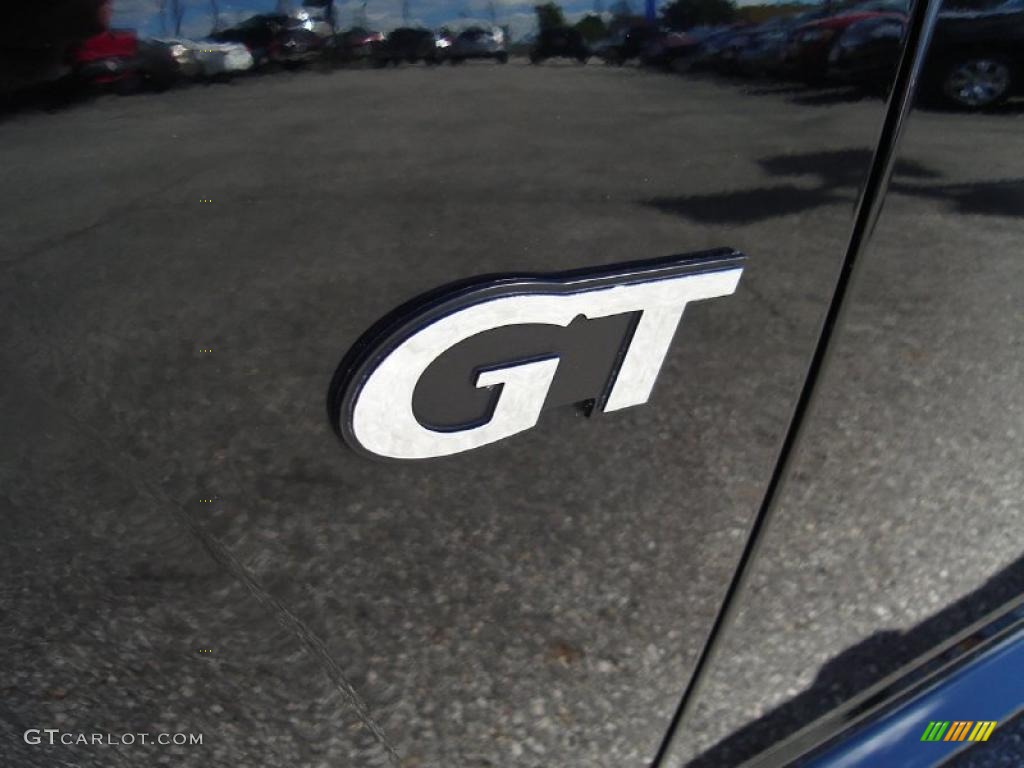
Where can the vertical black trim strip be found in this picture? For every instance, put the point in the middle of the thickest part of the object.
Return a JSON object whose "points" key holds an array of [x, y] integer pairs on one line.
{"points": [[920, 25]]}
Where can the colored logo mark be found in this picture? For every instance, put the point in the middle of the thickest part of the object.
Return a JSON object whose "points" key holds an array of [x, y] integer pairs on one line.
{"points": [[958, 730]]}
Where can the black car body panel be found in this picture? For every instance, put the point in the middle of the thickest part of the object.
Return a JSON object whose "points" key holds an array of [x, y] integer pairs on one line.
{"points": [[821, 489]]}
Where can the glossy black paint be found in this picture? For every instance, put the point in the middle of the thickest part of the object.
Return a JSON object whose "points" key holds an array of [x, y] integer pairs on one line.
{"points": [[182, 271], [869, 207], [839, 501]]}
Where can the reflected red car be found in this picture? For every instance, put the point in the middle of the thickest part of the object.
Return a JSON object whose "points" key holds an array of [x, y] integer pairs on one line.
{"points": [[107, 57], [806, 56]]}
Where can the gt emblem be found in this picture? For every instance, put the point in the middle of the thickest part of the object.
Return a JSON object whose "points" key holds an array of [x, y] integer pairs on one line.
{"points": [[476, 362]]}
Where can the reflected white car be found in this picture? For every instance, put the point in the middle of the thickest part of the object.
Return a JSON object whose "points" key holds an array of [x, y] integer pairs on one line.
{"points": [[206, 58]]}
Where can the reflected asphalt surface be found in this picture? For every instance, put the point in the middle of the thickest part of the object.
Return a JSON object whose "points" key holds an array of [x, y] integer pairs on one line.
{"points": [[126, 596]]}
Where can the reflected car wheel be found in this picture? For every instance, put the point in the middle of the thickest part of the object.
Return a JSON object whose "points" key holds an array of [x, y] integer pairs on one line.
{"points": [[977, 82]]}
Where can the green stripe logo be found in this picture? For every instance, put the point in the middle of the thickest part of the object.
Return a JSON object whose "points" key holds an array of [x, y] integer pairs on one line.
{"points": [[935, 731]]}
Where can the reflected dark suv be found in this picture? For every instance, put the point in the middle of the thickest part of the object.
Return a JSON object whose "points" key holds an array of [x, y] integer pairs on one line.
{"points": [[479, 43], [407, 44], [559, 42]]}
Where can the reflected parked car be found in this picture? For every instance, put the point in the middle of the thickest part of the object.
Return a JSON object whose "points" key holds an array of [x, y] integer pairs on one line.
{"points": [[808, 51], [713, 46], [605, 49], [764, 45], [762, 52], [976, 59], [730, 50], [478, 43], [207, 58], [670, 50], [298, 45], [358, 44], [261, 34], [444, 38], [117, 60], [311, 19], [559, 42], [866, 52], [627, 44], [407, 44]]}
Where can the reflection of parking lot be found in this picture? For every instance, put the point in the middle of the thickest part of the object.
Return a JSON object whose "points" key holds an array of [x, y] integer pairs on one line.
{"points": [[324, 183]]}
